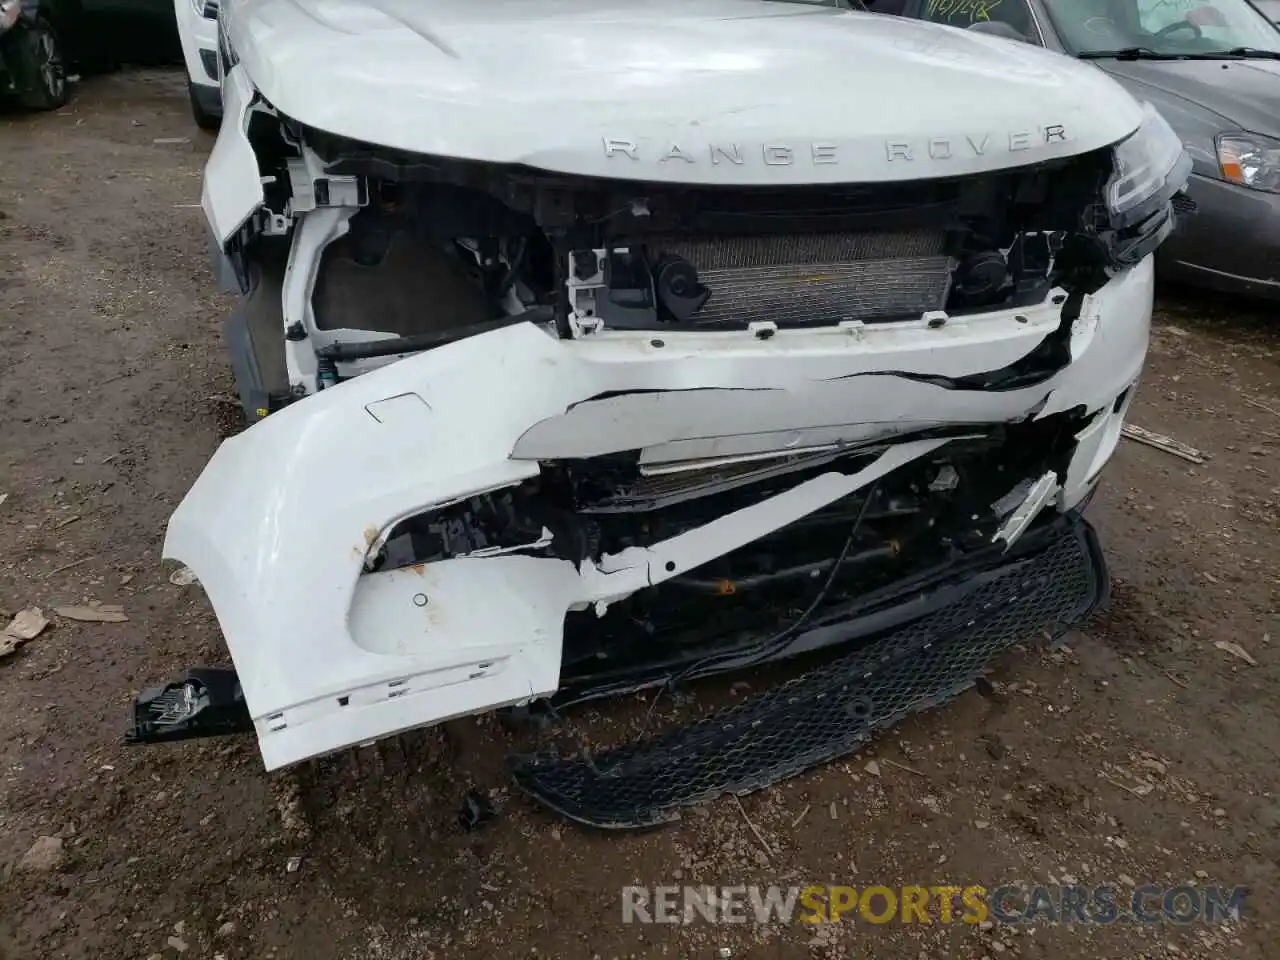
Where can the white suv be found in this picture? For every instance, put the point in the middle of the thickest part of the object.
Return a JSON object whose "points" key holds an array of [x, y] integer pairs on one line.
{"points": [[598, 345], [198, 31]]}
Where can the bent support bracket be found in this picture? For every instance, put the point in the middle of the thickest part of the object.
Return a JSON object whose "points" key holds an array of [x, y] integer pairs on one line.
{"points": [[1039, 494], [207, 702]]}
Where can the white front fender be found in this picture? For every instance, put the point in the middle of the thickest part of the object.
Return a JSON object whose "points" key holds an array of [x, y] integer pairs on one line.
{"points": [[232, 190]]}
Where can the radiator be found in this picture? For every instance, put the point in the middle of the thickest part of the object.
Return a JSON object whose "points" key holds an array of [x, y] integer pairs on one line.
{"points": [[817, 279]]}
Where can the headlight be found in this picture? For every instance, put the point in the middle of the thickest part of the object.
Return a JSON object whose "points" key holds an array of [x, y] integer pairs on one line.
{"points": [[1149, 163], [1250, 161], [9, 11]]}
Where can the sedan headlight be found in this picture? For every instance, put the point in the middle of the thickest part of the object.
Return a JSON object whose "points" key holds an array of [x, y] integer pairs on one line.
{"points": [[1250, 161], [9, 13], [1151, 163]]}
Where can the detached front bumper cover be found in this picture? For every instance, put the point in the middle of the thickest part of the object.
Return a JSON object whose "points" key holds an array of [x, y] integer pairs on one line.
{"points": [[331, 654], [921, 645]]}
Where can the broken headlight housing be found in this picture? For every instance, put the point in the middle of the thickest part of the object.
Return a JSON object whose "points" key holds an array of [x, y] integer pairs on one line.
{"points": [[1150, 167]]}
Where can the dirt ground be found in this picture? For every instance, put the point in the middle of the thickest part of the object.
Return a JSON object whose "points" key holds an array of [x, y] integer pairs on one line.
{"points": [[1141, 752]]}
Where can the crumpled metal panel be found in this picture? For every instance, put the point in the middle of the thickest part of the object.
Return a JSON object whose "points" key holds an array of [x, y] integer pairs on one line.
{"points": [[831, 711]]}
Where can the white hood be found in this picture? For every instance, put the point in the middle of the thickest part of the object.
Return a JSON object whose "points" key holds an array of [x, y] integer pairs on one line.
{"points": [[693, 91]]}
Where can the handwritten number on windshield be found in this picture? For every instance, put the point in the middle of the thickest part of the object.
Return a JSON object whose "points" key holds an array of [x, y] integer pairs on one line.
{"points": [[951, 11]]}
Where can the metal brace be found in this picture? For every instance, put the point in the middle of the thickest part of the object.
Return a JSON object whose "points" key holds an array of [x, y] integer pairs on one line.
{"points": [[311, 187], [582, 315]]}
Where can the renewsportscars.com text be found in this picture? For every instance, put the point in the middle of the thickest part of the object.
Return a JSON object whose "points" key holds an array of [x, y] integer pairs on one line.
{"points": [[1103, 904]]}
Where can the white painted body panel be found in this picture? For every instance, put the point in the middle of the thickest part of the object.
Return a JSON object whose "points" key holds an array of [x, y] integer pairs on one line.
{"points": [[232, 188], [278, 525], [195, 33], [717, 91]]}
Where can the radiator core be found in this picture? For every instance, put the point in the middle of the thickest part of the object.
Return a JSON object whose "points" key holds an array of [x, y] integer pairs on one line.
{"points": [[817, 279]]}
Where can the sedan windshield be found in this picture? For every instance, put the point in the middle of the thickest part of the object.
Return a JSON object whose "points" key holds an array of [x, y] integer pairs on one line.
{"points": [[1163, 28]]}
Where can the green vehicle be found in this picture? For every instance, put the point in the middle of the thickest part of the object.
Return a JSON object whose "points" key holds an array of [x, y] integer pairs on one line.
{"points": [[33, 66]]}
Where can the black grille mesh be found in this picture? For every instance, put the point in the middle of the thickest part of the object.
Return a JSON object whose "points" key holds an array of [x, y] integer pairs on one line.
{"points": [[830, 711]]}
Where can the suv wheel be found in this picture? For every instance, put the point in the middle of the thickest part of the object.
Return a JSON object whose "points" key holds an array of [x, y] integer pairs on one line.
{"points": [[42, 80], [204, 119]]}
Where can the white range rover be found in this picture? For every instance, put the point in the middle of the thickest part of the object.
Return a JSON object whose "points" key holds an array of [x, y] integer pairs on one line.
{"points": [[598, 346]]}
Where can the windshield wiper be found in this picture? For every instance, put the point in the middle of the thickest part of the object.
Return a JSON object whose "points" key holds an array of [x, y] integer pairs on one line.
{"points": [[1146, 53], [1248, 53], [1130, 53]]}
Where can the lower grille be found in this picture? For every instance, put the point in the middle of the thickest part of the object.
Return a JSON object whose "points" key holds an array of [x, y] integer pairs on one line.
{"points": [[831, 711], [818, 279], [1183, 205]]}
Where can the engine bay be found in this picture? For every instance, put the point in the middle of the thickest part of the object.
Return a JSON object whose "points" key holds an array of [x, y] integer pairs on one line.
{"points": [[416, 252]]}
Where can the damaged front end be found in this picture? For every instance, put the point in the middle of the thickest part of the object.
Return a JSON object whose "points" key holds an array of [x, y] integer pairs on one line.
{"points": [[526, 435]]}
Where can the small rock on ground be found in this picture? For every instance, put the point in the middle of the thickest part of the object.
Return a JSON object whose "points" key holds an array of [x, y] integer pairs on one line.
{"points": [[43, 856]]}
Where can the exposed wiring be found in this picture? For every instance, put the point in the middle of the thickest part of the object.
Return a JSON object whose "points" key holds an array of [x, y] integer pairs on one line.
{"points": [[966, 623], [759, 651], [765, 648]]}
